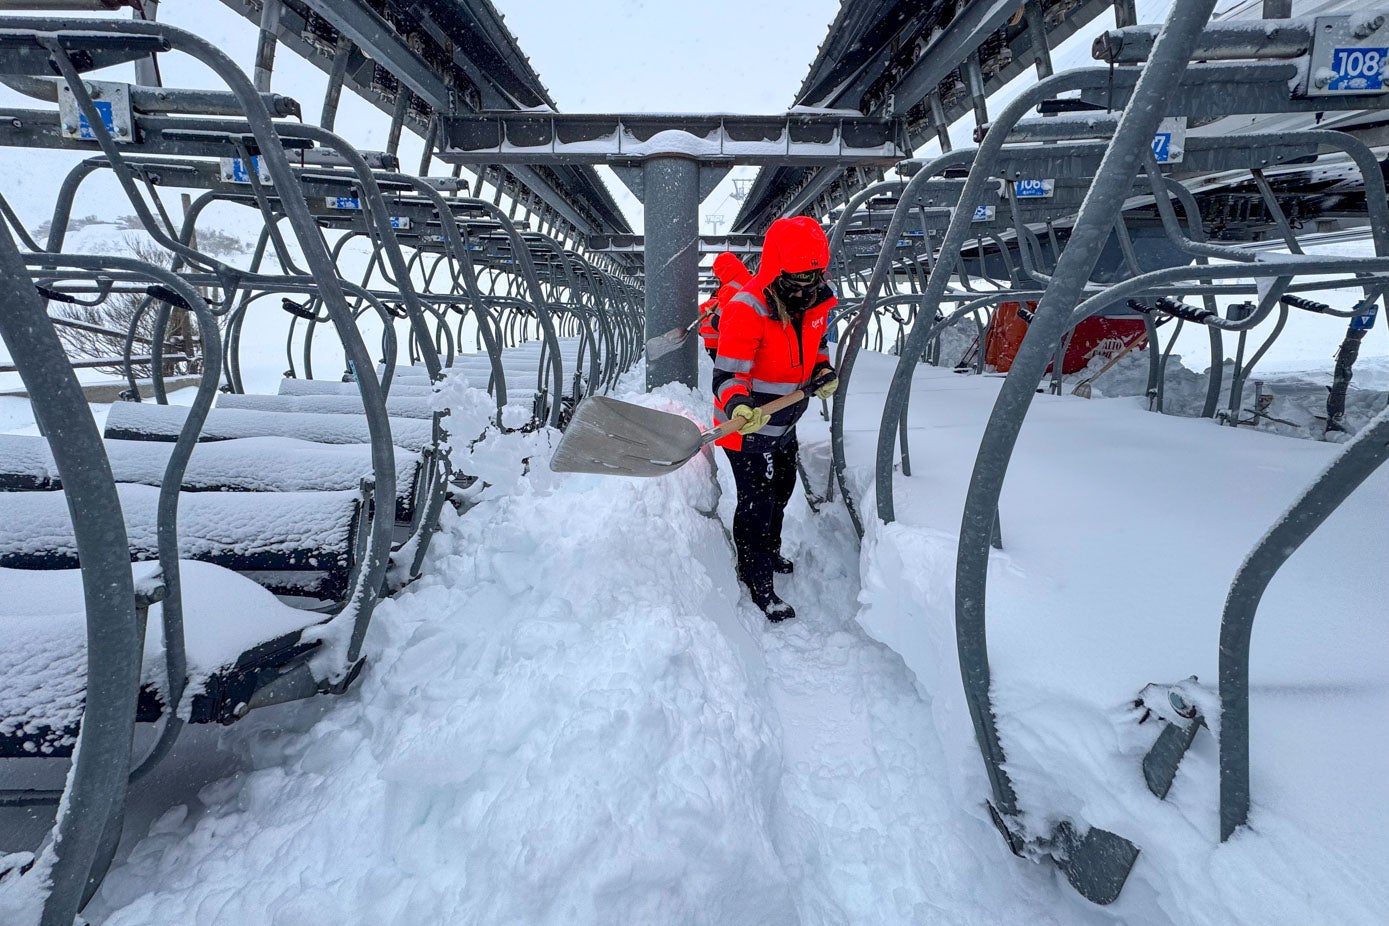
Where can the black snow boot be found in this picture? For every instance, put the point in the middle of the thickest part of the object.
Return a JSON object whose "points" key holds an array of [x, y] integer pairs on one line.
{"points": [[771, 604], [757, 576]]}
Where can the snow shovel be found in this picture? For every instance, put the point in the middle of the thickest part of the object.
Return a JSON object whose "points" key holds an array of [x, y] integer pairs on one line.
{"points": [[615, 438], [1082, 388], [663, 344]]}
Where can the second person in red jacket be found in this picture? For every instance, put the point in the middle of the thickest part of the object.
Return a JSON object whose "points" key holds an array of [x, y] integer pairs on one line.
{"points": [[771, 343], [732, 275]]}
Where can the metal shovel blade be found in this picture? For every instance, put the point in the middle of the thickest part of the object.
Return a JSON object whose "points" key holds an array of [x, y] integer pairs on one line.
{"points": [[663, 344], [615, 438]]}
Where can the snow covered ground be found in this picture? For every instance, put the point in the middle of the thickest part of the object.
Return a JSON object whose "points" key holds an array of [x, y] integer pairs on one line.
{"points": [[1122, 531], [577, 717]]}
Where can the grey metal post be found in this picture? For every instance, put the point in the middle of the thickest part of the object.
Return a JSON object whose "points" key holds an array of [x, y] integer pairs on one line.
{"points": [[940, 122], [265, 47], [101, 760], [430, 136], [974, 78], [333, 93], [147, 69], [1357, 462], [1113, 181], [672, 262], [1036, 25], [402, 106]]}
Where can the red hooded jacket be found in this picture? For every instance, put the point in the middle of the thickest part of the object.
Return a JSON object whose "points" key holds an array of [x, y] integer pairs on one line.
{"points": [[762, 356], [733, 274]]}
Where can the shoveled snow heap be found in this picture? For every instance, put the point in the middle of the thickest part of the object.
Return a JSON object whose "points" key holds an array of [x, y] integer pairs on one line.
{"points": [[551, 729]]}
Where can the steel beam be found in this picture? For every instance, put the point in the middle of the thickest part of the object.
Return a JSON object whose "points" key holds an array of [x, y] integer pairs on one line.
{"points": [[555, 138], [371, 33], [708, 244]]}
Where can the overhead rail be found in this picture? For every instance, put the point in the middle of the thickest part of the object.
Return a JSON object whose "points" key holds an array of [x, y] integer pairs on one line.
{"points": [[421, 62], [928, 63]]}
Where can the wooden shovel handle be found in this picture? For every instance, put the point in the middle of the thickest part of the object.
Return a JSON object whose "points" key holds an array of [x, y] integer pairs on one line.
{"points": [[1132, 345], [771, 408]]}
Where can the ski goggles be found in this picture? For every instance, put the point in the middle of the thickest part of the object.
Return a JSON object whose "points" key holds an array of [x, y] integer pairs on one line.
{"points": [[804, 280]]}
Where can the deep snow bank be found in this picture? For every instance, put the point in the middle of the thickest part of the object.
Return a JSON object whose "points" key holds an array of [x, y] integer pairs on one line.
{"points": [[550, 730], [1122, 531]]}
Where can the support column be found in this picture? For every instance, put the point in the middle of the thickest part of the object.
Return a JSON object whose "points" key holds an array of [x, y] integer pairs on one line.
{"points": [[265, 49], [672, 263]]}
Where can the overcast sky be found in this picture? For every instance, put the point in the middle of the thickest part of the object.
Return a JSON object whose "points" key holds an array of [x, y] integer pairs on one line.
{"points": [[736, 56]]}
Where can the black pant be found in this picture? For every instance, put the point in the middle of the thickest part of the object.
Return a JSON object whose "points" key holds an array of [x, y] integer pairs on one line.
{"points": [[765, 484]]}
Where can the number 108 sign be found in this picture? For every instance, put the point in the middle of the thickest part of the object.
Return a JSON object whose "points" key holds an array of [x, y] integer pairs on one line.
{"points": [[1358, 68]]}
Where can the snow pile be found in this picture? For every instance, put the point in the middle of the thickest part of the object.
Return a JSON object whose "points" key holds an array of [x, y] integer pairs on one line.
{"points": [[550, 729], [43, 669], [147, 421], [289, 529], [1122, 532], [250, 464], [1297, 409]]}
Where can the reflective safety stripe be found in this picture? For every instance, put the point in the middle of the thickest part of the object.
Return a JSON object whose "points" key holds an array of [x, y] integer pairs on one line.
{"points": [[729, 365], [762, 385], [727, 395], [757, 305]]}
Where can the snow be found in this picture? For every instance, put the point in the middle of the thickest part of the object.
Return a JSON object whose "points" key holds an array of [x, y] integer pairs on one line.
{"points": [[576, 716], [401, 406], [518, 750], [519, 362], [291, 386], [1122, 531], [145, 420], [249, 464], [286, 530], [42, 667]]}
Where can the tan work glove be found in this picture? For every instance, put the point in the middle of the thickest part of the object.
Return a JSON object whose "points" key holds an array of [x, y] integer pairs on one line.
{"points": [[755, 417]]}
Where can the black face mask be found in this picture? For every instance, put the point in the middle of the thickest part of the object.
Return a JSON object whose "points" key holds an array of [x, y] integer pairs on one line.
{"points": [[794, 296]]}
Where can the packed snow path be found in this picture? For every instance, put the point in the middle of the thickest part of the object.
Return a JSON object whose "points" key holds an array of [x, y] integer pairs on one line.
{"points": [[576, 716], [867, 828]]}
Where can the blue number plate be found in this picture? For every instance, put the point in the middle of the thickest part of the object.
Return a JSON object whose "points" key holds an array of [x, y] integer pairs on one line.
{"points": [[1358, 69], [1033, 189]]}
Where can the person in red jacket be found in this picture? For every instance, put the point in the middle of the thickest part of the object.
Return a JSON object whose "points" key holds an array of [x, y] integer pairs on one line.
{"points": [[732, 274], [771, 343]]}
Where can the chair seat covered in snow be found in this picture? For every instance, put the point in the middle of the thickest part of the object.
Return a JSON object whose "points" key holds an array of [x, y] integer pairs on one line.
{"points": [[237, 636], [293, 386], [148, 421], [293, 543], [249, 464], [398, 406]]}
